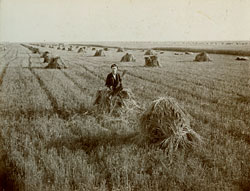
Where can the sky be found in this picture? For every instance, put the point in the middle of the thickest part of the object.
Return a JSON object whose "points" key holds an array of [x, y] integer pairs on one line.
{"points": [[124, 20]]}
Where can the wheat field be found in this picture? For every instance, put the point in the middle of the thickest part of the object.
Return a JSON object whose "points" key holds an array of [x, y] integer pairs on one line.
{"points": [[50, 140]]}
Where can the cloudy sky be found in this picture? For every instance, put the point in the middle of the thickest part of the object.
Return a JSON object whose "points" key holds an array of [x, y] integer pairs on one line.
{"points": [[124, 20]]}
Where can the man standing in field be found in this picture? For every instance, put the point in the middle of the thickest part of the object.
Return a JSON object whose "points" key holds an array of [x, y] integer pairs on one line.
{"points": [[114, 81]]}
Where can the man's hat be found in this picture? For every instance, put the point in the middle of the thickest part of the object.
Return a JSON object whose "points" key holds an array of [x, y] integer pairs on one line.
{"points": [[114, 65]]}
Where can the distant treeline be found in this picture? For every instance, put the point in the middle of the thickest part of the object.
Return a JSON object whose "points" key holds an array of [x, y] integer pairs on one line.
{"points": [[94, 45], [102, 46], [211, 51], [180, 49]]}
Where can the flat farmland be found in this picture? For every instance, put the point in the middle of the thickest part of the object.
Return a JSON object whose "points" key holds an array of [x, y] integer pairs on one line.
{"points": [[51, 140]]}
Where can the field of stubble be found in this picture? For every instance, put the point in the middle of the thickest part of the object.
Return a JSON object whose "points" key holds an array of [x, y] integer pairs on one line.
{"points": [[49, 141]]}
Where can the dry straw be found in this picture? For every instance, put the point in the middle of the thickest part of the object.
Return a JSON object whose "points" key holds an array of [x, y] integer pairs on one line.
{"points": [[120, 50], [56, 63], [115, 105], [128, 58], [167, 124], [80, 50], [202, 57], [152, 61], [99, 53], [150, 52]]}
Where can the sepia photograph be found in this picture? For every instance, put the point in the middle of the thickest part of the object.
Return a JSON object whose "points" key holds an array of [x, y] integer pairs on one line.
{"points": [[124, 95]]}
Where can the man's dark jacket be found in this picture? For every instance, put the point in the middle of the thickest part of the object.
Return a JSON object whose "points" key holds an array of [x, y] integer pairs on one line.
{"points": [[114, 82]]}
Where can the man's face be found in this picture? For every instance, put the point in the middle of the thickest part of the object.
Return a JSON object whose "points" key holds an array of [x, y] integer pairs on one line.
{"points": [[114, 70]]}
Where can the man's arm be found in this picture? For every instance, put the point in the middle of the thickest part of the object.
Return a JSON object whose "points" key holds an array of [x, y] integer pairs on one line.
{"points": [[120, 80], [108, 82]]}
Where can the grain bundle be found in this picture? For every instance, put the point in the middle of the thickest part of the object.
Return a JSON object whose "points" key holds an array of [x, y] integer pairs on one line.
{"points": [[56, 63], [241, 58], [99, 53], [178, 53], [80, 50], [165, 123], [120, 50], [121, 103], [202, 57], [46, 57], [128, 58], [152, 61], [150, 52]]}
